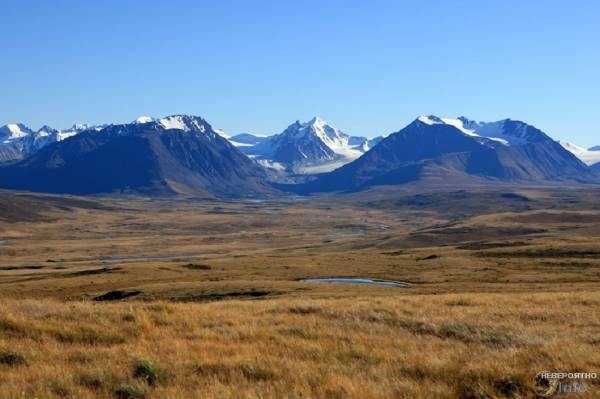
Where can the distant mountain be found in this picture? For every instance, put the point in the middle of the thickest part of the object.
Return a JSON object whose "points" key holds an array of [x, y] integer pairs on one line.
{"points": [[13, 131], [246, 139], [184, 154], [17, 141], [596, 148], [11, 141], [589, 157], [373, 142], [177, 154], [306, 148], [439, 148], [10, 152]]}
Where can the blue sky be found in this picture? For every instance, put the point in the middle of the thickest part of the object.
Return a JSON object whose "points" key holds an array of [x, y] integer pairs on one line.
{"points": [[368, 67]]}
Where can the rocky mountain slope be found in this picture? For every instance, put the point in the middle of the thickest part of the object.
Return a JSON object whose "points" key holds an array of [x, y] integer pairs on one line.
{"points": [[177, 154], [439, 148]]}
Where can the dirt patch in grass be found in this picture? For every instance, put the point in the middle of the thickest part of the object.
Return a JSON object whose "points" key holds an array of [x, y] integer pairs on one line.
{"points": [[117, 295], [197, 266]]}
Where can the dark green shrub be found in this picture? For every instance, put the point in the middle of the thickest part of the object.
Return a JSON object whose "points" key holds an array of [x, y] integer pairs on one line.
{"points": [[150, 372], [12, 358]]}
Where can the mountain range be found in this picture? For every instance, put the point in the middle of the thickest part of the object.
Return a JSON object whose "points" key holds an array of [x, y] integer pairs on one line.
{"points": [[185, 154], [17, 141], [441, 149], [305, 148], [177, 154]]}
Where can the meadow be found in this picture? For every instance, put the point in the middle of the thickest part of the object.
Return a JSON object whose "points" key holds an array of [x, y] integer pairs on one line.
{"points": [[187, 298]]}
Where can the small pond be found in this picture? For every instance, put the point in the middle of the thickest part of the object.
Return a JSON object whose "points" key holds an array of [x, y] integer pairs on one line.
{"points": [[356, 281]]}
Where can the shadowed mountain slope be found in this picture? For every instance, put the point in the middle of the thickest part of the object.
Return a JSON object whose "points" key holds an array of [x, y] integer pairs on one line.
{"points": [[432, 147], [179, 154]]}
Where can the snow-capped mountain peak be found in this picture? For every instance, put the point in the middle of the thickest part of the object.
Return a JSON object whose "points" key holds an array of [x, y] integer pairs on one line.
{"points": [[429, 119], [45, 131], [144, 119], [24, 141], [507, 132], [588, 157], [465, 125], [334, 142], [330, 135], [179, 122], [571, 147], [306, 147], [18, 130], [317, 121], [182, 122], [80, 127], [14, 131]]}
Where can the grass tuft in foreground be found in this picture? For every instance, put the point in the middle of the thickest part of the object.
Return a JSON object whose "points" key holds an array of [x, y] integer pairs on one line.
{"points": [[150, 372], [364, 347]]}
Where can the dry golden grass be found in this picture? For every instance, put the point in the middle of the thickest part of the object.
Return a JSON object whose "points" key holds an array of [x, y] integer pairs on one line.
{"points": [[440, 346], [438, 243], [501, 288]]}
